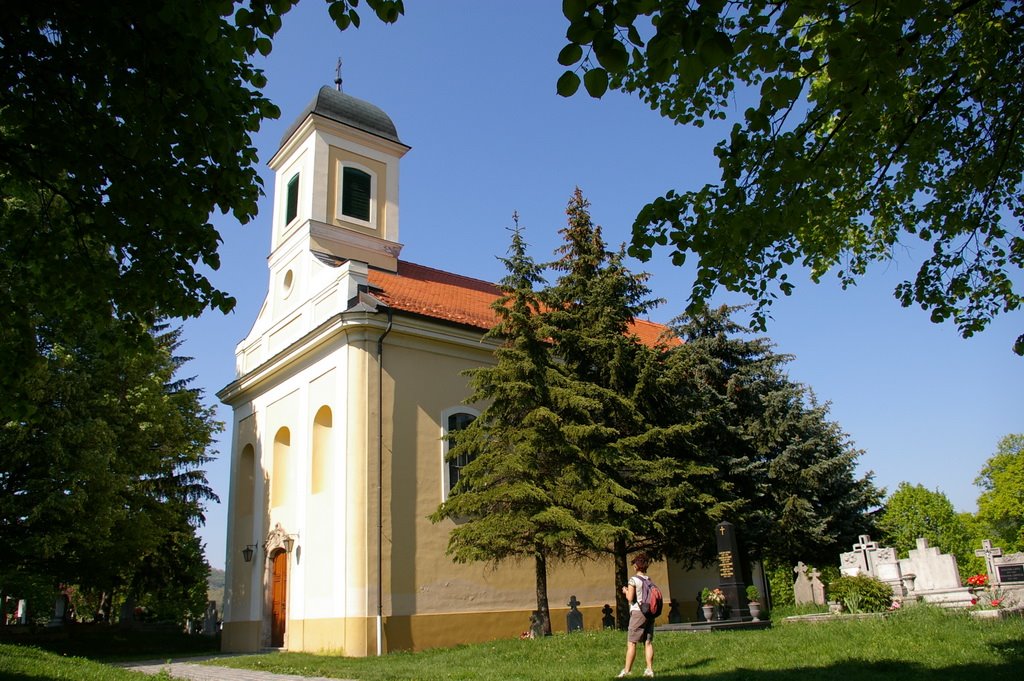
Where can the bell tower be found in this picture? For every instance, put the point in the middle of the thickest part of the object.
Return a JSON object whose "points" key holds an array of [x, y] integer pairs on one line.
{"points": [[335, 216], [336, 181]]}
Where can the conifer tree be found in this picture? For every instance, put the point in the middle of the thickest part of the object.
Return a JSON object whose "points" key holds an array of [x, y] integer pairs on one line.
{"points": [[644, 463], [525, 468], [109, 471], [787, 471]]}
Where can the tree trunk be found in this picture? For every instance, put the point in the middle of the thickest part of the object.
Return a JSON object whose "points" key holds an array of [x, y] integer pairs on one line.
{"points": [[621, 577], [543, 612]]}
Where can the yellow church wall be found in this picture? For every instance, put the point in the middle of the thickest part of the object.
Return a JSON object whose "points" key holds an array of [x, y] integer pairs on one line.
{"points": [[422, 632], [242, 519], [339, 156], [429, 598], [240, 637]]}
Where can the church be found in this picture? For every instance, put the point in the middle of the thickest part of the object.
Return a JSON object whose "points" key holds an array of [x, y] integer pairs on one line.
{"points": [[344, 390]]}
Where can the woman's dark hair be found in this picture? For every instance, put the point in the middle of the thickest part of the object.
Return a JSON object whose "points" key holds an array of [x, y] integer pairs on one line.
{"points": [[641, 561]]}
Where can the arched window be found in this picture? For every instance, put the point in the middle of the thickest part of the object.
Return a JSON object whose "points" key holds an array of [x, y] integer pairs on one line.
{"points": [[246, 481], [282, 455], [453, 421], [320, 468]]}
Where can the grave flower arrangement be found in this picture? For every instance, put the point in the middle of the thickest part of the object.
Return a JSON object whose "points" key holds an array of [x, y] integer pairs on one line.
{"points": [[977, 581], [985, 596], [712, 597]]}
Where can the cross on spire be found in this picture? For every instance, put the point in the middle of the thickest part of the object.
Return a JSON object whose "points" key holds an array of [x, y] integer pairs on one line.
{"points": [[337, 75]]}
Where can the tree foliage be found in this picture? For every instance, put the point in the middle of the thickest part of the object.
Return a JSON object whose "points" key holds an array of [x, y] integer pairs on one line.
{"points": [[657, 489], [869, 129], [97, 485], [1001, 502], [121, 130], [788, 478], [520, 492], [594, 442], [913, 511]]}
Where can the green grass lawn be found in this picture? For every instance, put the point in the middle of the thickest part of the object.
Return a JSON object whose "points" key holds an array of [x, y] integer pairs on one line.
{"points": [[915, 644], [26, 662]]}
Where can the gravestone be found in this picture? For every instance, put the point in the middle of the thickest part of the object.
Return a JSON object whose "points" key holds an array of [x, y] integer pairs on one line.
{"points": [[210, 620], [887, 569], [807, 588], [802, 594], [1002, 569], [60, 611], [608, 620], [574, 618], [931, 569], [674, 616], [817, 589], [861, 560], [730, 579]]}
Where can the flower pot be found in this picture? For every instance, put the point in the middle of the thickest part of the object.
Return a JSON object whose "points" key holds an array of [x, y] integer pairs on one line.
{"points": [[755, 610], [708, 611]]}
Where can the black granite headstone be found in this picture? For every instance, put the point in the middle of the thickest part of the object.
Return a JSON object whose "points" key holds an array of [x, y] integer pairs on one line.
{"points": [[730, 577], [1011, 573]]}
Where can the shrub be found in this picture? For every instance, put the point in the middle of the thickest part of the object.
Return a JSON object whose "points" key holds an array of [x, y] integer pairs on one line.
{"points": [[860, 593], [780, 585]]}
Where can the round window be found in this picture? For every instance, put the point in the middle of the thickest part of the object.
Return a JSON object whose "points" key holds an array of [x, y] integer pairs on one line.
{"points": [[289, 279]]}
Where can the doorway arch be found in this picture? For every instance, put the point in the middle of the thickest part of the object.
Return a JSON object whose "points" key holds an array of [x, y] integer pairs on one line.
{"points": [[278, 598]]}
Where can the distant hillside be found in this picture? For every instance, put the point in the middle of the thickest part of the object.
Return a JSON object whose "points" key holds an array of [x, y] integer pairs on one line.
{"points": [[215, 588]]}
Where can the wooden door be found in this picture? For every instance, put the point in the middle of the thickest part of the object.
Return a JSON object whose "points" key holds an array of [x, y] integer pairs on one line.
{"points": [[279, 605]]}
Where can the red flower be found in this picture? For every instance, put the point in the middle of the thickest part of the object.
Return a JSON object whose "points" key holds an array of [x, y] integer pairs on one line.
{"points": [[977, 580]]}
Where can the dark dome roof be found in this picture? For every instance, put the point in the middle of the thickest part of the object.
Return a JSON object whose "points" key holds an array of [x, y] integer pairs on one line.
{"points": [[343, 108]]}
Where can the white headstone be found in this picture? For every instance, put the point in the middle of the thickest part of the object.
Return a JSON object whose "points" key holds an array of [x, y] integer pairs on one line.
{"points": [[932, 569]]}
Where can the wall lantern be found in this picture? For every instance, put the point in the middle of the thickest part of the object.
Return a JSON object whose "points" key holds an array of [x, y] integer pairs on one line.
{"points": [[289, 542], [247, 552]]}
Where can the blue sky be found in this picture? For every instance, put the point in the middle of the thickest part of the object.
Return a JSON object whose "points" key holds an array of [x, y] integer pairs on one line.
{"points": [[470, 86]]}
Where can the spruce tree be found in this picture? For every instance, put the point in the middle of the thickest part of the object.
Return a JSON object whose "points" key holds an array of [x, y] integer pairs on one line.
{"points": [[590, 312], [787, 473], [516, 494]]}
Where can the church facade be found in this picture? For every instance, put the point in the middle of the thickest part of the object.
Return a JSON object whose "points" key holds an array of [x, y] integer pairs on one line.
{"points": [[345, 387]]}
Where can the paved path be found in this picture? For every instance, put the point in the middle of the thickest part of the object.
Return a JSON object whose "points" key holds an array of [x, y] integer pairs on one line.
{"points": [[188, 669]]}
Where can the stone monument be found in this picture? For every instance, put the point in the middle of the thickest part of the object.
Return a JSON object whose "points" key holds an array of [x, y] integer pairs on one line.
{"points": [[730, 578], [573, 618]]}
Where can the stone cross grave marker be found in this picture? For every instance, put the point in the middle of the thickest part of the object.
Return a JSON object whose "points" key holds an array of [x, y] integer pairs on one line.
{"points": [[862, 559], [802, 593], [817, 589], [989, 553], [608, 621], [573, 618], [1002, 568]]}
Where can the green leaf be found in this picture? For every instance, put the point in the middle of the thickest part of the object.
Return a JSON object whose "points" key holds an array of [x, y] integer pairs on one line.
{"points": [[611, 54], [568, 84], [570, 54], [574, 9], [596, 82], [716, 50]]}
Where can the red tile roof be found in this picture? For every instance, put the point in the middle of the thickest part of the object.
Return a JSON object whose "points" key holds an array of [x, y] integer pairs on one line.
{"points": [[455, 298]]}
